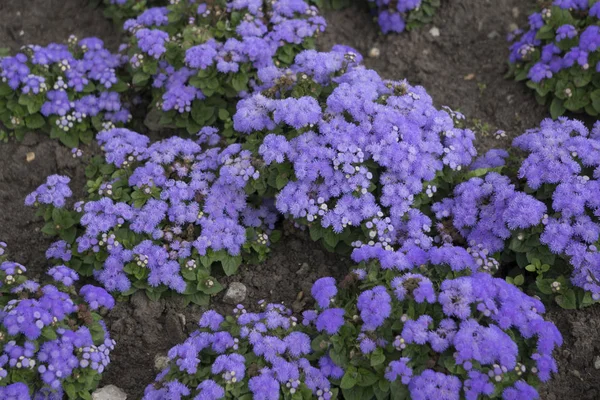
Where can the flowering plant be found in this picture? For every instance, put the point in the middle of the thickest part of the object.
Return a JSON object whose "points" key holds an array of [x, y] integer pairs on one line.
{"points": [[393, 16], [349, 155], [546, 220], [400, 15], [159, 215], [69, 91], [557, 56], [198, 59], [379, 333], [53, 342]]}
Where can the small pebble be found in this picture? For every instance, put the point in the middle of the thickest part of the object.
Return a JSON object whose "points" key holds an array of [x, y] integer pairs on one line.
{"points": [[30, 156], [435, 31], [374, 52], [236, 293], [597, 362]]}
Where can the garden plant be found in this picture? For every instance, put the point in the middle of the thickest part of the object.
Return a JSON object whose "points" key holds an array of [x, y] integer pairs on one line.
{"points": [[217, 126]]}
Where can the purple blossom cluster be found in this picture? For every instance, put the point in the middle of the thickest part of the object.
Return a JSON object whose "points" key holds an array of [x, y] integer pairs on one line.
{"points": [[477, 325], [48, 335], [487, 210], [54, 192], [553, 58], [396, 16], [188, 201], [256, 35], [563, 163], [557, 54], [271, 336], [367, 136], [66, 86]]}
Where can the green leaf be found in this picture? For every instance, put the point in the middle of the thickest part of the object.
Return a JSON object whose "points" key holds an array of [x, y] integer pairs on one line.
{"points": [[331, 238], [140, 78], [349, 379], [240, 82], [223, 114], [230, 264], [199, 299], [567, 300], [152, 295], [49, 333], [377, 357], [557, 108], [205, 288], [519, 280], [35, 121]]}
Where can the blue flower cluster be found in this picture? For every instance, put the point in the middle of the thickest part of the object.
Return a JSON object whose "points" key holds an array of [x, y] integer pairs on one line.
{"points": [[49, 338], [562, 167], [396, 16], [472, 326], [557, 55], [196, 55], [68, 90], [171, 209], [357, 158]]}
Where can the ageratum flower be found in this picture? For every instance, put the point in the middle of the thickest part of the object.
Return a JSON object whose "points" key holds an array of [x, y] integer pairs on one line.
{"points": [[47, 335], [556, 55], [194, 205], [55, 192], [364, 133], [69, 88], [562, 162], [474, 322]]}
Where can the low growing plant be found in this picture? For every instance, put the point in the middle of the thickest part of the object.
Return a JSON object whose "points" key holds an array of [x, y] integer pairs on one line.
{"points": [[546, 220], [69, 91], [53, 342], [198, 59], [379, 334], [557, 56], [159, 215]]}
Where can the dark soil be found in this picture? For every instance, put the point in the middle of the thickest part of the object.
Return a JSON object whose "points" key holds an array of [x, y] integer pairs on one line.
{"points": [[471, 41]]}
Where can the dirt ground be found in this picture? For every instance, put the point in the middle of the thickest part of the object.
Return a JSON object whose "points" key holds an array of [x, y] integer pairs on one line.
{"points": [[463, 68]]}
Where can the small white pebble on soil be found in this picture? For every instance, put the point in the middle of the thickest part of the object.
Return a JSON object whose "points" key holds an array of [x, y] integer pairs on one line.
{"points": [[30, 156], [597, 362], [493, 35], [236, 293], [109, 392], [515, 12], [435, 31], [161, 362], [374, 52]]}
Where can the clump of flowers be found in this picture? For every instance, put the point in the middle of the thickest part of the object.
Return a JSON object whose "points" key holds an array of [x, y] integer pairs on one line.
{"points": [[159, 215], [400, 15], [69, 91], [200, 58], [546, 219], [52, 342], [378, 333], [557, 56], [350, 155]]}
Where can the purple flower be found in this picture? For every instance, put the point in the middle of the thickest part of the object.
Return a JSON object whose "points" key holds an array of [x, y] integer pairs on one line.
{"points": [[374, 306], [323, 291], [97, 297], [211, 319], [64, 275], [330, 320]]}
